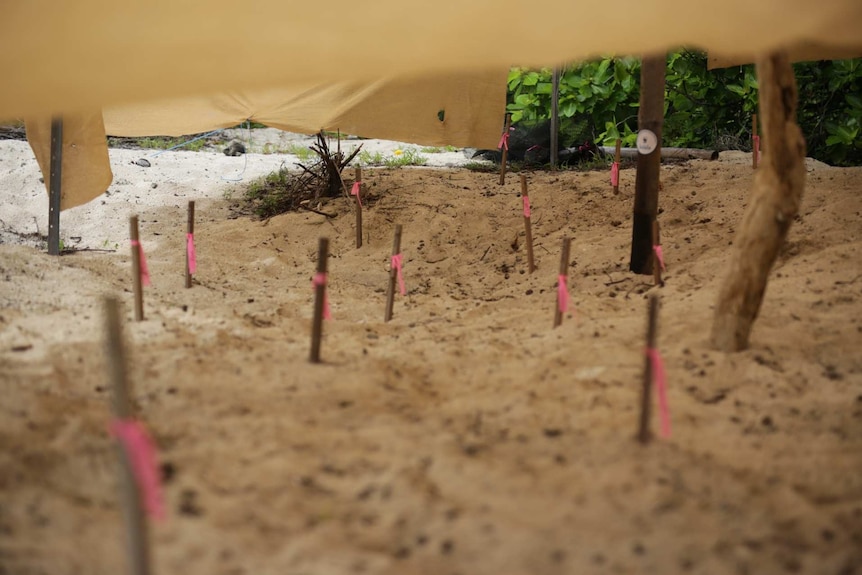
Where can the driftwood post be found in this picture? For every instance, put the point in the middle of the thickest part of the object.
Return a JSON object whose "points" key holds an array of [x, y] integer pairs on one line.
{"points": [[778, 187], [137, 539], [504, 147], [528, 228], [650, 119]]}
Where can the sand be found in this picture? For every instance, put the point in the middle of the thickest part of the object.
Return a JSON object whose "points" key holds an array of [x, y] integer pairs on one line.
{"points": [[466, 436]]}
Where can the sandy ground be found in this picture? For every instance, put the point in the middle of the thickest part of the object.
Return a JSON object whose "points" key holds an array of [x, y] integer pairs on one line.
{"points": [[466, 436]]}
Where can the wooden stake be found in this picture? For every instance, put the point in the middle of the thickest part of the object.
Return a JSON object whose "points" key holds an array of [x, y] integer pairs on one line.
{"points": [[505, 149], [774, 203], [190, 229], [136, 268], [650, 117], [531, 264], [133, 514], [644, 434], [564, 271], [754, 145], [393, 274], [656, 265], [55, 187], [617, 158], [319, 302], [555, 118], [357, 178]]}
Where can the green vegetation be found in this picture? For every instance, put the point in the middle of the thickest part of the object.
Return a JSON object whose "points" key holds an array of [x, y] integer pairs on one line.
{"points": [[270, 195], [304, 153], [399, 158], [165, 142], [437, 149], [703, 108]]}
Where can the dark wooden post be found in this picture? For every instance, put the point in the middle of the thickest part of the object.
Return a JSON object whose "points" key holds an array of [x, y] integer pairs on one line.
{"points": [[190, 229], [617, 158], [564, 272], [319, 302], [393, 274], [55, 186], [137, 286], [528, 228], [650, 118], [644, 434], [778, 186], [504, 141], [357, 183], [754, 142], [137, 540], [555, 118]]}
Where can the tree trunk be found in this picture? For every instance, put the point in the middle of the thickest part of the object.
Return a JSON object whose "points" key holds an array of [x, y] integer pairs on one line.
{"points": [[775, 199]]}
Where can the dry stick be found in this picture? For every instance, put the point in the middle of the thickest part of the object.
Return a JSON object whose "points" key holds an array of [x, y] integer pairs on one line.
{"points": [[617, 158], [505, 149], [754, 141], [531, 264], [656, 263], [136, 268], [133, 514], [319, 295], [190, 230], [564, 271], [644, 434], [393, 274], [357, 177]]}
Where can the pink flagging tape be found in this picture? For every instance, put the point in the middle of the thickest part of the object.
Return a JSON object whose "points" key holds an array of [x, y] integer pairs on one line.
{"points": [[320, 280], [660, 380], [354, 191], [145, 271], [562, 294], [190, 250], [615, 174], [659, 256], [526, 206], [504, 141], [756, 139], [141, 453], [397, 260]]}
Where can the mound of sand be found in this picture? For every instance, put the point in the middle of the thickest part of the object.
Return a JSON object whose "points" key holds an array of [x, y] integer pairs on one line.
{"points": [[466, 435]]}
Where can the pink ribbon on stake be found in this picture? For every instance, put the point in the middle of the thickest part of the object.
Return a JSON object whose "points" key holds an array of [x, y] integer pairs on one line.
{"points": [[504, 141], [354, 191], [660, 379], [397, 260], [141, 454], [320, 280], [562, 294], [659, 256], [756, 139], [526, 206], [145, 272], [190, 250], [615, 174]]}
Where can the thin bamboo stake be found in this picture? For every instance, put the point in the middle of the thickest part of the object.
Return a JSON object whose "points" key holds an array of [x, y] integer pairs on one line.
{"points": [[531, 264], [136, 268], [617, 158], [564, 272], [319, 299], [657, 260], [393, 274], [190, 229], [137, 539], [504, 145], [55, 186], [644, 434]]}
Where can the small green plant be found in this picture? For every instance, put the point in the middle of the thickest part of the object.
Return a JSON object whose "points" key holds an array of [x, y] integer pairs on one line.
{"points": [[437, 149], [269, 195], [304, 153], [398, 159], [165, 142]]}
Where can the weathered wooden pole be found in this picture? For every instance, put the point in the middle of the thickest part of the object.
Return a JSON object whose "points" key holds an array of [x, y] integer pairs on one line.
{"points": [[191, 259], [319, 299], [137, 540], [528, 228], [555, 118], [650, 120], [504, 148], [393, 273], [658, 261], [644, 434], [137, 282], [357, 191], [615, 169], [778, 186], [55, 186], [562, 284]]}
